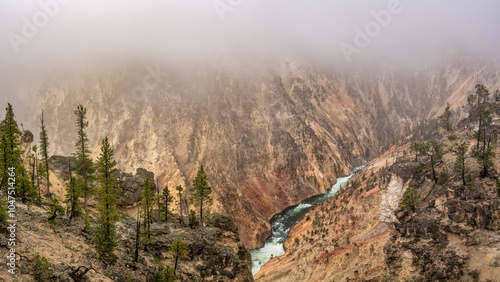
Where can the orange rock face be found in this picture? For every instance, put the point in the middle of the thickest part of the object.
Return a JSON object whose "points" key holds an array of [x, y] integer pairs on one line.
{"points": [[268, 136]]}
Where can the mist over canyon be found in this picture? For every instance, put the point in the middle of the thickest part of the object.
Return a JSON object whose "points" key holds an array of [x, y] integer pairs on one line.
{"points": [[269, 135]]}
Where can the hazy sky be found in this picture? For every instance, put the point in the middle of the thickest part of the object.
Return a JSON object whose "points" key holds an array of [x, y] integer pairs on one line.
{"points": [[47, 33]]}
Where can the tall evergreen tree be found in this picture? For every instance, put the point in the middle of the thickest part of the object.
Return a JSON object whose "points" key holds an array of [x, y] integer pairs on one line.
{"points": [[486, 156], [201, 192], [34, 173], [179, 192], [72, 195], [179, 251], [10, 154], [37, 170], [461, 167], [84, 165], [419, 148], [445, 118], [44, 150], [432, 156], [478, 106], [166, 199], [147, 213], [106, 238]]}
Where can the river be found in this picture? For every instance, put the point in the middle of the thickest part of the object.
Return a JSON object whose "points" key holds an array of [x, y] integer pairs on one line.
{"points": [[282, 222]]}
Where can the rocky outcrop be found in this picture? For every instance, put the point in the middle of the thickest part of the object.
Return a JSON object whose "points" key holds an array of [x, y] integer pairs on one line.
{"points": [[363, 234], [268, 136], [218, 256], [131, 185]]}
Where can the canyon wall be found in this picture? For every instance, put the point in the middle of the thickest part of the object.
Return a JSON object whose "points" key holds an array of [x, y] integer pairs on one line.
{"points": [[268, 135]]}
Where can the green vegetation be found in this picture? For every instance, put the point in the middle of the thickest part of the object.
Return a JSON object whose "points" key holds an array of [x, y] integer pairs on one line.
{"points": [[72, 195], [445, 119], [201, 193], [460, 166], [432, 155], [165, 200], [106, 238], [179, 192], [84, 165], [4, 215], [55, 209], [44, 147], [147, 214], [165, 274], [411, 197], [43, 269], [179, 251], [10, 152], [193, 220]]}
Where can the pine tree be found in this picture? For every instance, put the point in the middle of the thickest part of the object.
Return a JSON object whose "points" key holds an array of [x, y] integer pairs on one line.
{"points": [[37, 170], [193, 221], [461, 167], [166, 199], [411, 197], [44, 150], [179, 251], [445, 118], [147, 213], [432, 156], [419, 149], [34, 169], [55, 208], [201, 193], [72, 195], [84, 165], [25, 188], [478, 106], [106, 238], [10, 154], [486, 156], [4, 215], [165, 274], [179, 192]]}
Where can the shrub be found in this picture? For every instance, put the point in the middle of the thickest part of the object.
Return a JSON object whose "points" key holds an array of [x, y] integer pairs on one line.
{"points": [[452, 137], [411, 197], [43, 269], [193, 221]]}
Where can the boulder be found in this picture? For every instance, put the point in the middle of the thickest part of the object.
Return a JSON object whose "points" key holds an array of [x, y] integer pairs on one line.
{"points": [[132, 185]]}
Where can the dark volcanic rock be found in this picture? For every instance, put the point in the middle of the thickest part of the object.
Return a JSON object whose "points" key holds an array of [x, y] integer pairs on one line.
{"points": [[60, 165], [131, 185]]}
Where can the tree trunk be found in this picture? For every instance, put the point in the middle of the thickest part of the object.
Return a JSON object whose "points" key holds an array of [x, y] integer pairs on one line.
{"points": [[38, 184], [180, 208], [176, 260], [201, 217], [72, 214], [137, 232], [463, 170], [479, 131], [47, 168]]}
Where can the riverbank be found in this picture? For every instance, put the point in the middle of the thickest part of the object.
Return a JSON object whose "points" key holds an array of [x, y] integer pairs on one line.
{"points": [[282, 222]]}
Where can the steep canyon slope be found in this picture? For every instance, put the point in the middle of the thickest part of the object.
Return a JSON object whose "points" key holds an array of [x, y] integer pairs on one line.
{"points": [[269, 136], [363, 234]]}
